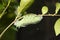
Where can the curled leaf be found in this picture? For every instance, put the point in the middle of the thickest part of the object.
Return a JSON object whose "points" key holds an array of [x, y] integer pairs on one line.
{"points": [[57, 27]]}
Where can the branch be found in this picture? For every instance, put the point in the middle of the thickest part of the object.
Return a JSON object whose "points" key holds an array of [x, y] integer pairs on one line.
{"points": [[8, 27], [49, 15]]}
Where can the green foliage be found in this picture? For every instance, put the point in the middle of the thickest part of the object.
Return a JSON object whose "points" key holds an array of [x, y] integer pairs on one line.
{"points": [[1, 6], [44, 10], [57, 27], [57, 7], [8, 13], [24, 4], [7, 18]]}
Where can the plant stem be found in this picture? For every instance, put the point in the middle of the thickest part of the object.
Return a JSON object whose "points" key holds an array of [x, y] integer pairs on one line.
{"points": [[49, 15], [9, 26], [6, 29], [5, 9]]}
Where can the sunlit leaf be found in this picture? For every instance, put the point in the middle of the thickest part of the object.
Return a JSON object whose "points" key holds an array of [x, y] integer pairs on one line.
{"points": [[28, 19], [24, 4], [44, 10], [57, 27], [57, 7]]}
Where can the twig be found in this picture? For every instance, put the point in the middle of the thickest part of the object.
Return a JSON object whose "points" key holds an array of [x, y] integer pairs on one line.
{"points": [[5, 9], [8, 27], [49, 15]]}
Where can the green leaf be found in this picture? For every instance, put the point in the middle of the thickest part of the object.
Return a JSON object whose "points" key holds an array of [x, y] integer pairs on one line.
{"points": [[28, 19], [57, 7], [24, 4], [44, 10], [57, 27]]}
